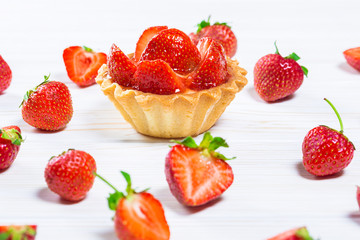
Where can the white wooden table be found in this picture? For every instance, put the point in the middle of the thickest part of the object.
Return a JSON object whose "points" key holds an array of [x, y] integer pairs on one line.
{"points": [[271, 192]]}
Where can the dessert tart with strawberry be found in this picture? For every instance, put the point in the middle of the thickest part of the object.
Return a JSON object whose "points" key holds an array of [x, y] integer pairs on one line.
{"points": [[171, 88]]}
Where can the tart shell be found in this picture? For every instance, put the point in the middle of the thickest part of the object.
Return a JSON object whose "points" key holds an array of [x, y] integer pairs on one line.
{"points": [[177, 115]]}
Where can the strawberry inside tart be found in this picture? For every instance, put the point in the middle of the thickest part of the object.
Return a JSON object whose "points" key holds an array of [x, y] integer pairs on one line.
{"points": [[169, 87]]}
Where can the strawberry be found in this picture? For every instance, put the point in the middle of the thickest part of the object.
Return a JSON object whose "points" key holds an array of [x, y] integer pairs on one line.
{"points": [[82, 64], [10, 141], [18, 232], [358, 195], [71, 174], [352, 56], [174, 47], [325, 150], [121, 68], [48, 106], [5, 75], [212, 71], [294, 234], [221, 32], [138, 215], [196, 174], [144, 39], [276, 77], [157, 77]]}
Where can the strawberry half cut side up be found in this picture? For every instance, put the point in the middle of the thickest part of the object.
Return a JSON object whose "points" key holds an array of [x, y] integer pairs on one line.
{"points": [[121, 68], [294, 234], [157, 77], [327, 151], [18, 232], [82, 64], [138, 215], [144, 39], [197, 174], [352, 56], [212, 71]]}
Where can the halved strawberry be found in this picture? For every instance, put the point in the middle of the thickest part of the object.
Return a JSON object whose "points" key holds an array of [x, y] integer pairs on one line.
{"points": [[144, 39], [138, 215], [293, 234], [18, 232], [174, 47], [352, 56], [157, 77], [82, 64], [196, 174], [121, 68], [212, 71]]}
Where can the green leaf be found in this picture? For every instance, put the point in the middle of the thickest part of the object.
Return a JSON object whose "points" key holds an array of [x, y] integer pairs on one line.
{"points": [[220, 156], [303, 233], [127, 177], [205, 143], [217, 142], [13, 135], [87, 49], [114, 199], [223, 23], [4, 236], [203, 24], [188, 142], [293, 56], [305, 70]]}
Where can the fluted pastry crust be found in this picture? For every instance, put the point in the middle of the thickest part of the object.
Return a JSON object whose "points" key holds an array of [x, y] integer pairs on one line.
{"points": [[177, 115]]}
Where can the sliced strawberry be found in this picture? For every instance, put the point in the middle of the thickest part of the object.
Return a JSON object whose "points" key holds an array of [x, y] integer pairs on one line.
{"points": [[18, 232], [157, 77], [197, 174], [138, 215], [144, 39], [82, 64], [212, 70], [293, 234], [121, 68], [352, 56], [174, 47]]}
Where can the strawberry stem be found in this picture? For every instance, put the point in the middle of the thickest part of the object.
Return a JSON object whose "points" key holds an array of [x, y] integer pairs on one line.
{"points": [[276, 49], [337, 114], [106, 181]]}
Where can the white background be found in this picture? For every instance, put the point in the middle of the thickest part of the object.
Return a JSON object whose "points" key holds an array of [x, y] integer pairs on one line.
{"points": [[271, 192]]}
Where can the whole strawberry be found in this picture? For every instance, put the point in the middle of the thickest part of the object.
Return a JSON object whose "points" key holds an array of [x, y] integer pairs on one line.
{"points": [[18, 232], [71, 174], [293, 234], [196, 174], [138, 215], [325, 150], [358, 195], [276, 77], [48, 106], [5, 75], [221, 32], [352, 56], [10, 141]]}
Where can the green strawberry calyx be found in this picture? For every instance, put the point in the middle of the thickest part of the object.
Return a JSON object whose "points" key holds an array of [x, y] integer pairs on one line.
{"points": [[294, 57], [207, 146], [87, 49], [303, 233], [115, 197], [206, 23], [29, 92], [18, 232], [13, 135]]}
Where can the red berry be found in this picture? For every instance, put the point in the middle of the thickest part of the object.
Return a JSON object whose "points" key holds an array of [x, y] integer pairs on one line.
{"points": [[212, 71], [48, 106], [358, 195], [82, 64], [138, 215], [144, 39], [196, 174], [221, 32], [10, 141], [174, 47], [293, 234], [326, 151], [71, 174], [18, 232], [5, 75], [121, 68], [276, 77], [157, 77], [352, 56]]}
